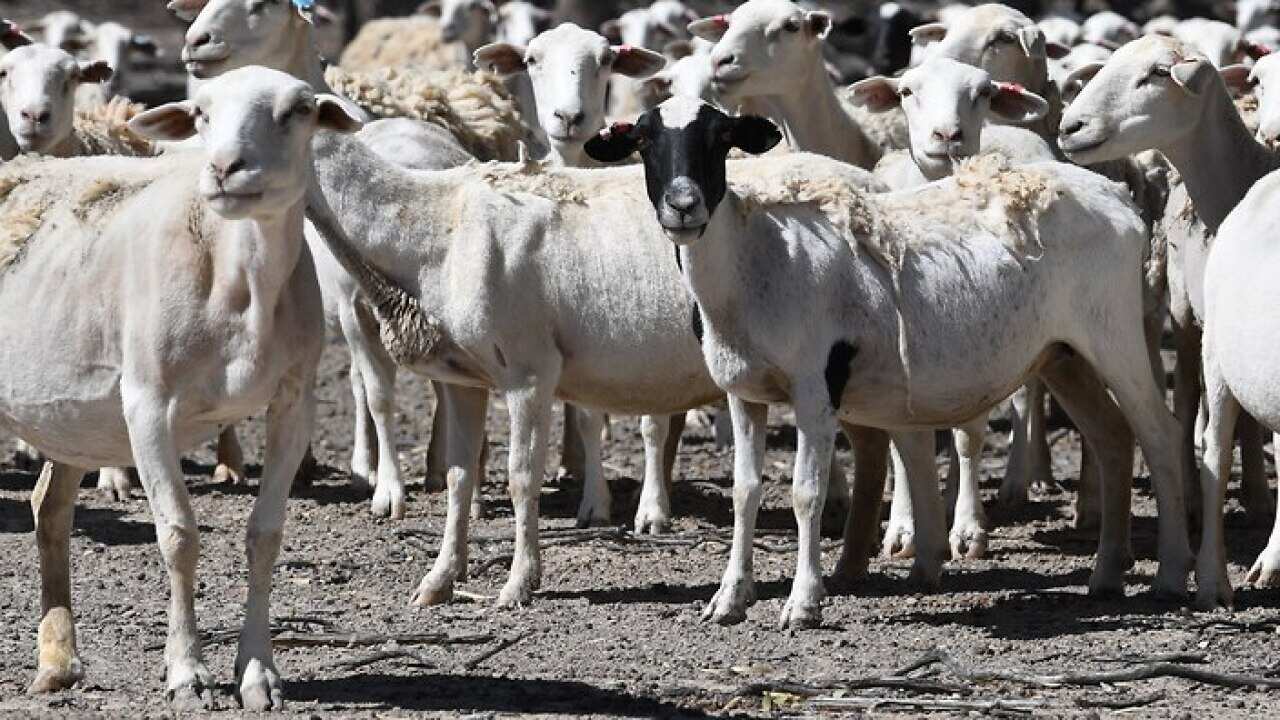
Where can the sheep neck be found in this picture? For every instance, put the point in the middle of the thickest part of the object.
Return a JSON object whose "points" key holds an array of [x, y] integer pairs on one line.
{"points": [[254, 261], [710, 266], [301, 58], [813, 120], [1218, 159]]}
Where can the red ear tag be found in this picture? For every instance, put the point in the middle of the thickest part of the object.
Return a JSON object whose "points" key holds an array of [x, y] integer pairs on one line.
{"points": [[721, 21], [618, 127], [1010, 87]]}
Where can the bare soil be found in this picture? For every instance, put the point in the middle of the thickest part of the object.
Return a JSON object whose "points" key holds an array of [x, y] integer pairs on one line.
{"points": [[615, 630]]}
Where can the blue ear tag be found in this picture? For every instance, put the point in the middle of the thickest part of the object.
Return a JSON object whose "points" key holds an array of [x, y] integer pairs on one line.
{"points": [[304, 5]]}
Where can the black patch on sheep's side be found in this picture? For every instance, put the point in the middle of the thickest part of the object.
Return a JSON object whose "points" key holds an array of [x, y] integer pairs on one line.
{"points": [[697, 323], [838, 370]]}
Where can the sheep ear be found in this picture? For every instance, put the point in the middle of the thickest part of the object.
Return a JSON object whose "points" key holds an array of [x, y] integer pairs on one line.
{"points": [[430, 8], [678, 49], [1032, 41], [332, 114], [94, 72], [187, 10], [1237, 77], [11, 36], [1078, 78], [1056, 50], [877, 94], [172, 122], [1192, 75], [754, 134], [818, 23], [614, 143], [711, 28], [501, 58], [928, 33], [1013, 103], [636, 62], [145, 45], [658, 87], [612, 31]]}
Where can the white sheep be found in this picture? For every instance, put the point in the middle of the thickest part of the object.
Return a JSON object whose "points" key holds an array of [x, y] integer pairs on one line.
{"points": [[1158, 92], [1109, 29], [1061, 30], [1048, 249], [145, 377], [1216, 40], [770, 51], [654, 28], [38, 94]]}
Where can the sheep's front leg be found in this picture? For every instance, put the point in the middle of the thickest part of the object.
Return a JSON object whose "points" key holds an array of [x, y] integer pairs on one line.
{"points": [[1213, 586], [596, 506], [155, 454], [916, 451], [1265, 572], [467, 408], [737, 587], [816, 435], [53, 504], [654, 512], [230, 467], [289, 420], [1255, 492], [968, 529], [364, 443], [530, 410]]}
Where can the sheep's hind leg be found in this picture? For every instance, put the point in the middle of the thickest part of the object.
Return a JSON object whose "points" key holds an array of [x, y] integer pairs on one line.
{"points": [[467, 408], [230, 467], [364, 443], [862, 525], [53, 506], [289, 421], [596, 505], [189, 682], [1265, 572], [899, 535], [1213, 586], [1255, 493], [916, 451], [968, 529], [115, 483], [654, 511], [737, 587]]}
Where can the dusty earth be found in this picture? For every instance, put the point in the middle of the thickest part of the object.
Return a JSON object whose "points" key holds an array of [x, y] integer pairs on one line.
{"points": [[615, 630]]}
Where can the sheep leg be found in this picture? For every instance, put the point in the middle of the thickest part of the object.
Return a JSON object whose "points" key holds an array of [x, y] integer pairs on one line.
{"points": [[835, 511], [916, 452], [862, 525], [737, 587], [467, 408], [378, 375], [654, 512], [1186, 395], [968, 529], [572, 454], [1213, 586], [53, 505], [815, 446], [189, 682], [1255, 493], [364, 444], [899, 536], [1265, 572], [436, 466], [114, 483], [1029, 461], [596, 506], [722, 426], [530, 426], [290, 417], [230, 458], [1110, 443]]}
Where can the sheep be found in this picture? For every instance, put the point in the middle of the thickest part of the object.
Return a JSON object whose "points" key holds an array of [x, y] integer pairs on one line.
{"points": [[64, 30], [1134, 84], [618, 338], [653, 28], [772, 50], [1158, 92], [1216, 40], [1061, 30], [1161, 25], [1079, 56], [39, 100], [1109, 29], [401, 42], [115, 45], [1264, 80], [870, 344], [689, 75], [98, 389], [471, 23]]}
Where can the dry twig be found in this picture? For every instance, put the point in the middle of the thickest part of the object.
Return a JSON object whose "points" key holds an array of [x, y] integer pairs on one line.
{"points": [[475, 660]]}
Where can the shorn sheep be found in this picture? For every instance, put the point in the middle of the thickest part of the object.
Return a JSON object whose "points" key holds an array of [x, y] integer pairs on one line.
{"points": [[1051, 252], [228, 321]]}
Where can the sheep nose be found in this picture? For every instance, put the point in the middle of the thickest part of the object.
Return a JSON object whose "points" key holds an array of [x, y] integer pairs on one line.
{"points": [[37, 116], [683, 199], [222, 169], [199, 41], [570, 118], [948, 135], [1070, 127], [726, 60]]}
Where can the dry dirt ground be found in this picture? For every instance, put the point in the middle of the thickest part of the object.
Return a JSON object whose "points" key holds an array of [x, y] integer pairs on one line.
{"points": [[615, 630]]}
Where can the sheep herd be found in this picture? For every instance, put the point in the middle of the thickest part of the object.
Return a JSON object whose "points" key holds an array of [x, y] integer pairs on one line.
{"points": [[890, 220]]}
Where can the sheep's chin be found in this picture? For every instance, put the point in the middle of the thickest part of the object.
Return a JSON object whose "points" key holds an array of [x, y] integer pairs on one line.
{"points": [[684, 235]]}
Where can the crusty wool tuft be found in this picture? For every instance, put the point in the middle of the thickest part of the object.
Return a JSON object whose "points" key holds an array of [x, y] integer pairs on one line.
{"points": [[475, 107], [397, 42], [103, 129]]}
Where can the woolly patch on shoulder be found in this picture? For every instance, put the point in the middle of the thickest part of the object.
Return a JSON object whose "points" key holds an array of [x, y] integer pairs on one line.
{"points": [[533, 178], [103, 129], [475, 107]]}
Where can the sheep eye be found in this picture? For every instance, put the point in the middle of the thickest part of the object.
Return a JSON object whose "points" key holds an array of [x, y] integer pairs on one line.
{"points": [[904, 92], [1160, 71]]}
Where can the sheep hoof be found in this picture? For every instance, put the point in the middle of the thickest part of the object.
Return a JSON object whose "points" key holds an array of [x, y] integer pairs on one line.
{"points": [[434, 589], [968, 543], [226, 475], [1265, 572], [260, 688], [729, 605]]}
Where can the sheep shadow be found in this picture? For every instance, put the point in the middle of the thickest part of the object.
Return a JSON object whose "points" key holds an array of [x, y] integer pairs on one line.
{"points": [[100, 525], [460, 694], [664, 593]]}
